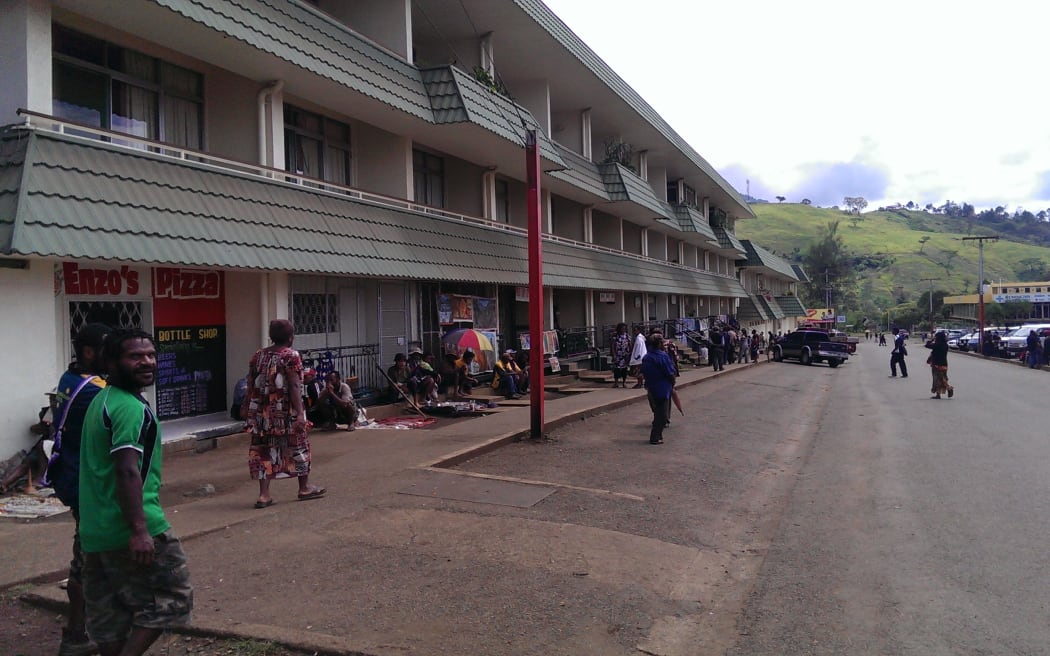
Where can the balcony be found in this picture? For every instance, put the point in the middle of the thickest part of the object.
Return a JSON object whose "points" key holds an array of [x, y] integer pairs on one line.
{"points": [[83, 192]]}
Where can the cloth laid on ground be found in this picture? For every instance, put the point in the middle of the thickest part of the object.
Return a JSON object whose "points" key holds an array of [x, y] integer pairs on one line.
{"points": [[31, 506], [400, 423]]}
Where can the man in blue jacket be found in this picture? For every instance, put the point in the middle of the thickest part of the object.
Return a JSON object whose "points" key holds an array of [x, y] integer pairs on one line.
{"points": [[659, 373], [77, 387], [900, 349]]}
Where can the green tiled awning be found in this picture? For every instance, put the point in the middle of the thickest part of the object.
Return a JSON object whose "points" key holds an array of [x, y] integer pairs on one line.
{"points": [[729, 242], [68, 197], [691, 220], [791, 305], [771, 307], [751, 310], [760, 257], [800, 273], [624, 184], [458, 98]]}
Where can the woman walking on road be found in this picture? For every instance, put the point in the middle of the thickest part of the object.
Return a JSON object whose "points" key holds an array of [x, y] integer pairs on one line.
{"points": [[938, 362]]}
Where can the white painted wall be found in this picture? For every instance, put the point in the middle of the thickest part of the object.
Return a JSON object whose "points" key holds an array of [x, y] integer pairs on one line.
{"points": [[382, 161], [535, 96], [632, 238], [608, 314], [606, 229], [463, 192], [567, 219], [25, 58], [29, 340], [387, 22], [243, 328], [567, 130]]}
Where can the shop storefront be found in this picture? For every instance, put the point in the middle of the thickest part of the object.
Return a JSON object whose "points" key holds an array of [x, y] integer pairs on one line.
{"points": [[184, 310]]}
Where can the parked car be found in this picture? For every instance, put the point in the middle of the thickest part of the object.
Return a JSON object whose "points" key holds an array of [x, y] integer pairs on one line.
{"points": [[1017, 341], [810, 346], [967, 342]]}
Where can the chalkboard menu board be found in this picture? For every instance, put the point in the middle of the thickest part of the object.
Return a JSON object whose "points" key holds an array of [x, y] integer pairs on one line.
{"points": [[191, 370]]}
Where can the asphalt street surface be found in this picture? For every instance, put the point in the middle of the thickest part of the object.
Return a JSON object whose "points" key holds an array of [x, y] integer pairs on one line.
{"points": [[791, 510], [917, 526]]}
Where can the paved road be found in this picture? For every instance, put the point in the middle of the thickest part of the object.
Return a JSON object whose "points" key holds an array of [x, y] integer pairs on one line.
{"points": [[794, 510], [917, 526]]}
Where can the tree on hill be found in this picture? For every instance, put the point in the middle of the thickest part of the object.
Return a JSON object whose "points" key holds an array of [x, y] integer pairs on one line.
{"points": [[854, 204], [922, 243], [781, 199], [806, 201]]}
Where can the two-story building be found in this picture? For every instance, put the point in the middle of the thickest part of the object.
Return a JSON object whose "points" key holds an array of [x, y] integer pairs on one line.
{"points": [[197, 169]]}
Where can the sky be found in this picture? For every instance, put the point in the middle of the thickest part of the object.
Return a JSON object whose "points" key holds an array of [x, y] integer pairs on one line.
{"points": [[895, 101]]}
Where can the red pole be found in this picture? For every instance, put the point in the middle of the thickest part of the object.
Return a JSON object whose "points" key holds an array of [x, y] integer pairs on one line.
{"points": [[535, 237]]}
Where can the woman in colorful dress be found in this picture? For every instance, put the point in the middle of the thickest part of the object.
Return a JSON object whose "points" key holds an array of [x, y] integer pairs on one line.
{"points": [[938, 362], [620, 352], [274, 415]]}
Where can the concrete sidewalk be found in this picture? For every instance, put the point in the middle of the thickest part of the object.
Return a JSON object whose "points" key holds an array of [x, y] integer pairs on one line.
{"points": [[362, 471]]}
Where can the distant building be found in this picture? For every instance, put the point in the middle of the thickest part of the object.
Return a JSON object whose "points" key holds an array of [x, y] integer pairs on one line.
{"points": [[965, 306]]}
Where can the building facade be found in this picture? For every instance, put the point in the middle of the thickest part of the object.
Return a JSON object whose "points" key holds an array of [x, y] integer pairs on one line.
{"points": [[198, 169], [1034, 295]]}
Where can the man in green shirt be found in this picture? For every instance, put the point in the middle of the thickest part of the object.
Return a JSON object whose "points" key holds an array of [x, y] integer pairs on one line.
{"points": [[136, 582]]}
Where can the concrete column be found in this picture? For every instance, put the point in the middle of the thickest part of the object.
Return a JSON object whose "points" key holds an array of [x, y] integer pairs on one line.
{"points": [[548, 220], [588, 225], [588, 307], [645, 241], [25, 58], [485, 54], [643, 164], [587, 146]]}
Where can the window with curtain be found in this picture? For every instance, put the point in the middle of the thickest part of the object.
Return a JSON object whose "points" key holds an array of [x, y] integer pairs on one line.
{"points": [[316, 146], [428, 172], [104, 85]]}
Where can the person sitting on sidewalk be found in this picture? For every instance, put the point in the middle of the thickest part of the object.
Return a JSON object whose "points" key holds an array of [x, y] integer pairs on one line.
{"points": [[399, 375], [422, 379], [507, 376], [464, 380], [335, 403]]}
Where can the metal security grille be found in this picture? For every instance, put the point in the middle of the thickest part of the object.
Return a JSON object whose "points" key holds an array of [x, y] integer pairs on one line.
{"points": [[315, 314], [115, 314]]}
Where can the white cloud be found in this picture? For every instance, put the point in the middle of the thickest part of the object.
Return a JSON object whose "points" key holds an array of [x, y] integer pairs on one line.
{"points": [[943, 95]]}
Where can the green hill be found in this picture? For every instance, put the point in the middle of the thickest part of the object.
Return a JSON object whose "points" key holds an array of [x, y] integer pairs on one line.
{"points": [[892, 259]]}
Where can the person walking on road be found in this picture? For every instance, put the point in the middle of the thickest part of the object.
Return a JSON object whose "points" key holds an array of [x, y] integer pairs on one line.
{"points": [[637, 353], [659, 373], [938, 362], [900, 349], [77, 387], [620, 353], [274, 415], [717, 350], [136, 582]]}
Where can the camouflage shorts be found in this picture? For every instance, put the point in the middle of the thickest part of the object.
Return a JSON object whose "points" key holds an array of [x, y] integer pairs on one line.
{"points": [[120, 594]]}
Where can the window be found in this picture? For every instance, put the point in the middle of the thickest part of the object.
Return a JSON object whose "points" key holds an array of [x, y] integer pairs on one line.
{"points": [[429, 175], [502, 201], [315, 314], [316, 146], [104, 85]]}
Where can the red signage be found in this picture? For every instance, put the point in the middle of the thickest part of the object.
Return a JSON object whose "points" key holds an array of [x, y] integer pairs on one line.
{"points": [[188, 297], [185, 284], [83, 281]]}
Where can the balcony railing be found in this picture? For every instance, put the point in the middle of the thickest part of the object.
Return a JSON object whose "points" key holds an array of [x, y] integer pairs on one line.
{"points": [[40, 121]]}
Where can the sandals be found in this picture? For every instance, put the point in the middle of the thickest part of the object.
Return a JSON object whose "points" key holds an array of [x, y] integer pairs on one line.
{"points": [[264, 504], [315, 493]]}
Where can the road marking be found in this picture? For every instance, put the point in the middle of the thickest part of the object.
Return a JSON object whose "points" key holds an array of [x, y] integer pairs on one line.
{"points": [[526, 481]]}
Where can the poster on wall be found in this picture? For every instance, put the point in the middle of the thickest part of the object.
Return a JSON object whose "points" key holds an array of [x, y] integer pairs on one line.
{"points": [[550, 342], [485, 314], [444, 306], [462, 308], [189, 313]]}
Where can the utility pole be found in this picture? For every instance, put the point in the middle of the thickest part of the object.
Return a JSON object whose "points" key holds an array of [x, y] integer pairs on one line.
{"points": [[827, 290], [930, 280], [980, 284]]}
